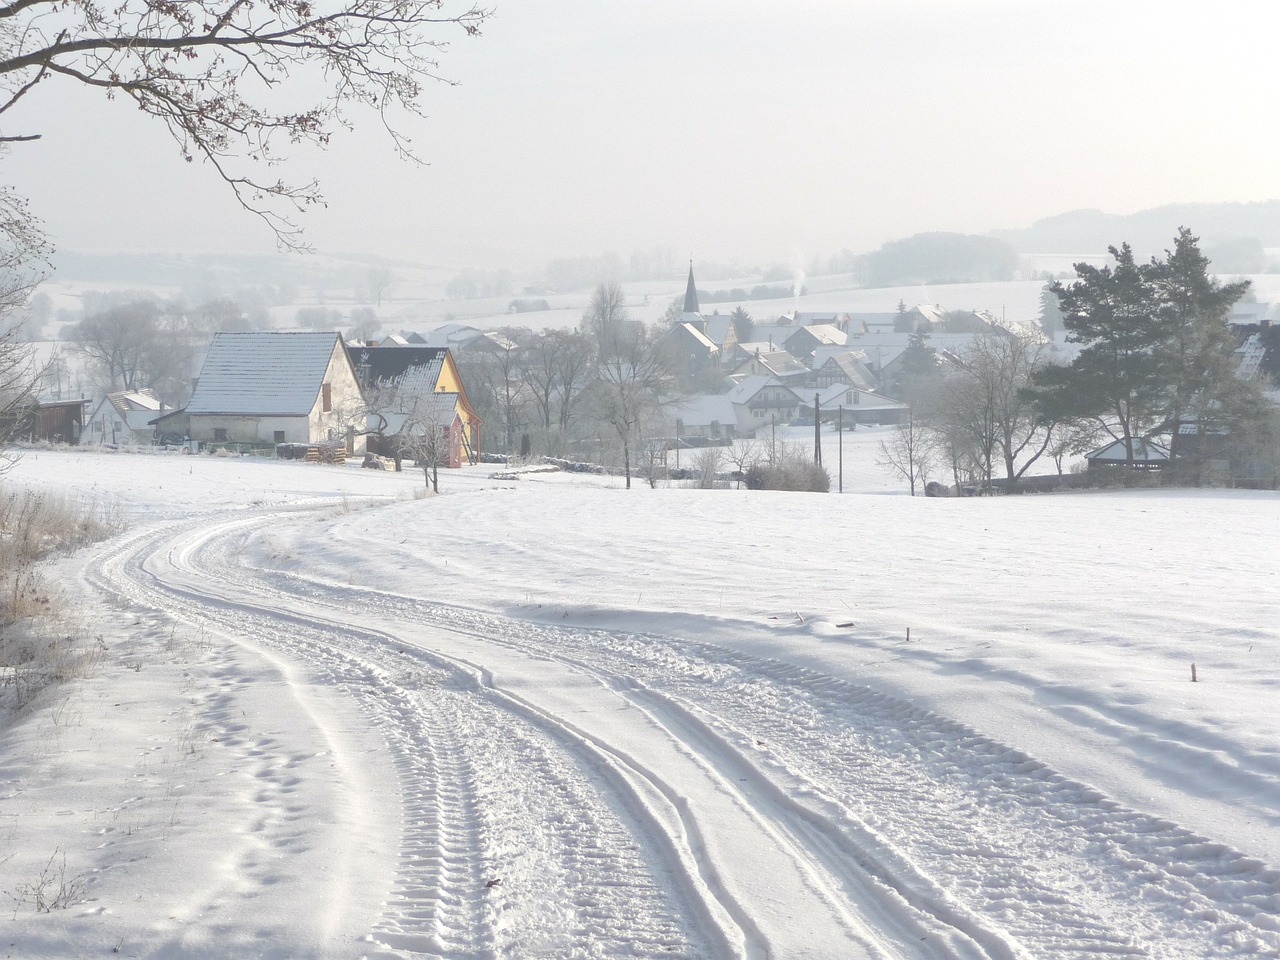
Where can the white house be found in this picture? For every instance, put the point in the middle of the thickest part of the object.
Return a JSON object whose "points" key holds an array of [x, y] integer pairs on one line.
{"points": [[263, 388], [124, 417]]}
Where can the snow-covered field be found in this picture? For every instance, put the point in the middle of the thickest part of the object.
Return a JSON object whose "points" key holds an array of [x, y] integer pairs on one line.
{"points": [[549, 717]]}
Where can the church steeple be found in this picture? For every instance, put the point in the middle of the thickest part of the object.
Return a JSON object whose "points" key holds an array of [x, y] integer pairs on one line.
{"points": [[691, 293]]}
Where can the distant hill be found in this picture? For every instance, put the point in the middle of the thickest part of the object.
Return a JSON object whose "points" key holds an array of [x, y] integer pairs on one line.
{"points": [[227, 271], [936, 258], [1150, 231]]}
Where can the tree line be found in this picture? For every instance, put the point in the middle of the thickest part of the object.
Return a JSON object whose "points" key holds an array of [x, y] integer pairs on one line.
{"points": [[596, 392]]}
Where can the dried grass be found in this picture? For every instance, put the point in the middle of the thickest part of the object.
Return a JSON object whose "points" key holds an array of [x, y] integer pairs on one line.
{"points": [[38, 645]]}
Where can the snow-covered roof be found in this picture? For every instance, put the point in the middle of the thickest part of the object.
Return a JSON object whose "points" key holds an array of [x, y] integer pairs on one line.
{"points": [[772, 334], [852, 364], [717, 327], [824, 333], [268, 374], [705, 409], [748, 387], [871, 322], [451, 333], [1144, 451], [778, 362], [125, 401], [1251, 353], [406, 367], [1249, 314], [698, 336]]}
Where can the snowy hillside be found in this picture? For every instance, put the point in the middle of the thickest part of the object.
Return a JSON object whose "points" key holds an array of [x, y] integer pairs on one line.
{"points": [[549, 717]]}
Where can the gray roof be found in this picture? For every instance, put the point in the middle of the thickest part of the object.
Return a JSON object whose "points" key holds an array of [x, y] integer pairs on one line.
{"points": [[702, 410], [1144, 450], [263, 374]]}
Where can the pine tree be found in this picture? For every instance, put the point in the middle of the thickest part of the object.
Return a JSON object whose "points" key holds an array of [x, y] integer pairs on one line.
{"points": [[1116, 377], [1157, 347]]}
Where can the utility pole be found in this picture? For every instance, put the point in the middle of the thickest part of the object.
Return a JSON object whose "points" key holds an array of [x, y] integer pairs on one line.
{"points": [[817, 433], [840, 444]]}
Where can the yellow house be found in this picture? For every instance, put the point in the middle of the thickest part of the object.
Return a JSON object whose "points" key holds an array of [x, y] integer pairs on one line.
{"points": [[395, 381]]}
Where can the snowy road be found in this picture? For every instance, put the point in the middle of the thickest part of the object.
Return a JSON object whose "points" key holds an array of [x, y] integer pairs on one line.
{"points": [[588, 793]]}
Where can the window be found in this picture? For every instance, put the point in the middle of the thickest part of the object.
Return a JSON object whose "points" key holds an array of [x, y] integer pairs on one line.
{"points": [[219, 434], [326, 397], [278, 436]]}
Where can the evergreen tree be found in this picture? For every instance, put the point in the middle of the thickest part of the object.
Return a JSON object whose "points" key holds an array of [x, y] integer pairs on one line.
{"points": [[1205, 394], [1116, 377], [917, 370], [1158, 351], [1193, 309], [1050, 315]]}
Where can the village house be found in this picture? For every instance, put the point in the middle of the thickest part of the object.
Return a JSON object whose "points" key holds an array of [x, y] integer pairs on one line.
{"points": [[778, 364], [410, 391], [272, 388], [852, 405], [840, 366], [806, 340], [761, 401], [124, 417]]}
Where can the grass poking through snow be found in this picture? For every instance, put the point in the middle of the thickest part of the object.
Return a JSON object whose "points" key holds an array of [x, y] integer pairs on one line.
{"points": [[38, 644]]}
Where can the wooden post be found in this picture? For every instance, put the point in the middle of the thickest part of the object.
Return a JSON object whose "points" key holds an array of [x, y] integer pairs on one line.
{"points": [[1193, 673]]}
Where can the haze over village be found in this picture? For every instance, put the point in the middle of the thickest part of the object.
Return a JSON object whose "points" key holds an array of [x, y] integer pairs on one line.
{"points": [[733, 480]]}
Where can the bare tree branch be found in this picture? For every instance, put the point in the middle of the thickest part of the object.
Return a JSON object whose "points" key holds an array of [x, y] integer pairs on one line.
{"points": [[214, 73]]}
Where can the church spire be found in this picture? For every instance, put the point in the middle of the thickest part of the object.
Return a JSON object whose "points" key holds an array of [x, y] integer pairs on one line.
{"points": [[691, 293]]}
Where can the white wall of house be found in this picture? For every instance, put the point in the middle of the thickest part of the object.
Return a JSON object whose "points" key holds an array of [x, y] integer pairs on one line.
{"points": [[233, 428], [338, 407]]}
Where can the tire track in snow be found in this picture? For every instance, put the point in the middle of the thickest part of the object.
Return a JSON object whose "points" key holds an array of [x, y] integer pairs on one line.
{"points": [[1049, 863], [587, 890], [787, 888]]}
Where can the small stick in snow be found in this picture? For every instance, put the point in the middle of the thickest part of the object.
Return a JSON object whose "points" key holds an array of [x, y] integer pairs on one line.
{"points": [[1193, 673]]}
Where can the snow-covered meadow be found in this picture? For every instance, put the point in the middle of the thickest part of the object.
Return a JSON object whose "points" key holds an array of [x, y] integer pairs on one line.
{"points": [[550, 717]]}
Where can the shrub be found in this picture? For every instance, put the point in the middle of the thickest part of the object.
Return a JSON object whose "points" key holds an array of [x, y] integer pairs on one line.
{"points": [[790, 474]]}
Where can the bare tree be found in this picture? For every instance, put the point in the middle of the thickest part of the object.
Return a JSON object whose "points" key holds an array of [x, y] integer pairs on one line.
{"points": [[633, 384], [380, 280], [1072, 438], [23, 264], [706, 467], [427, 434], [364, 324], [744, 454], [606, 316], [494, 366], [210, 71], [118, 343], [557, 366], [908, 453]]}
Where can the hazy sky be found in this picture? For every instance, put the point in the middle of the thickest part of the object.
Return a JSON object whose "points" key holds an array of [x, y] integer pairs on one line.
{"points": [[773, 131]]}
